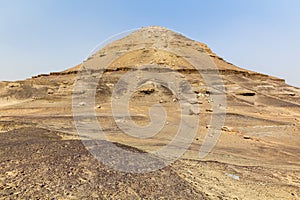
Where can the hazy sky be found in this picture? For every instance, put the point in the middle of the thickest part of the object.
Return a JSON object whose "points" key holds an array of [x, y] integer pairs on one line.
{"points": [[39, 36]]}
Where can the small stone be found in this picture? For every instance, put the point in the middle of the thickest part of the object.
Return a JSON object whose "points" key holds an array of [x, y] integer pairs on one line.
{"points": [[235, 177], [82, 104], [14, 85], [193, 101], [200, 95], [50, 91], [226, 128]]}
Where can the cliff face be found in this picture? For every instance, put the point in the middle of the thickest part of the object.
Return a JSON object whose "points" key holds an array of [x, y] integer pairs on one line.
{"points": [[259, 141]]}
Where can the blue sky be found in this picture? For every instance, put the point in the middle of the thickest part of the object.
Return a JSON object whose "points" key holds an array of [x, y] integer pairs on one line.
{"points": [[39, 36]]}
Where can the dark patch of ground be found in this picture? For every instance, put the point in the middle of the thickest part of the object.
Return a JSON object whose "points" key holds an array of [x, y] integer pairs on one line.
{"points": [[37, 164]]}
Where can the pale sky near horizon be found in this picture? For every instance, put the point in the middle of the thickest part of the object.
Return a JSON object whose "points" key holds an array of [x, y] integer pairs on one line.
{"points": [[40, 36]]}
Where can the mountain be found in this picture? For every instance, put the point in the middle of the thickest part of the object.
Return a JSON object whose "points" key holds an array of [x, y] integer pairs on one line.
{"points": [[246, 127]]}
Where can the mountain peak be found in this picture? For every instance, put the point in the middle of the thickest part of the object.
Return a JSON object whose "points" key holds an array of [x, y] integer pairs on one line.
{"points": [[260, 136]]}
